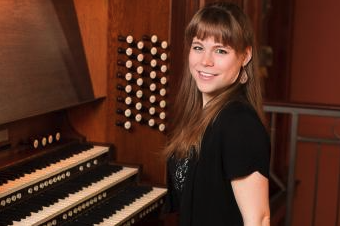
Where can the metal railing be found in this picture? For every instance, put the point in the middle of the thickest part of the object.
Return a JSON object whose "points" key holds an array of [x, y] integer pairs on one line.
{"points": [[295, 111]]}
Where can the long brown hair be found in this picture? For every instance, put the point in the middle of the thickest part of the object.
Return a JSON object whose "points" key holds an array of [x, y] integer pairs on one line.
{"points": [[227, 24]]}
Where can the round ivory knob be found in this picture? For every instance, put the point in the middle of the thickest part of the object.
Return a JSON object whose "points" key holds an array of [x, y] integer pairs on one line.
{"points": [[127, 125], [164, 44], [161, 127]]}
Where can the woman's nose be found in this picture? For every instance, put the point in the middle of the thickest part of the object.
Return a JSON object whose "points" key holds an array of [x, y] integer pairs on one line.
{"points": [[207, 59]]}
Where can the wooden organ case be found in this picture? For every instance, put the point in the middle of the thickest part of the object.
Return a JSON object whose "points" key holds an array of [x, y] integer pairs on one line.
{"points": [[64, 158]]}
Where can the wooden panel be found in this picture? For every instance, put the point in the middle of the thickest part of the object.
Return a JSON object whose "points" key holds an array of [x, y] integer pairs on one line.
{"points": [[315, 79], [141, 145], [315, 67], [42, 65], [93, 20], [278, 35], [303, 203], [90, 120], [181, 14], [318, 185], [22, 132], [96, 121]]}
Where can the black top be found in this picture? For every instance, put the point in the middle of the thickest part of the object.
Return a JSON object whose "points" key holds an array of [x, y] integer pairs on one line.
{"points": [[236, 144]]}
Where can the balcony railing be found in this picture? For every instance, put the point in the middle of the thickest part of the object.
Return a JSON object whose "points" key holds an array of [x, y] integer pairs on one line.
{"points": [[292, 113]]}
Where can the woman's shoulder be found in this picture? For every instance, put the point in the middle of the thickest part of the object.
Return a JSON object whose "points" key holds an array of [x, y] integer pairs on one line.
{"points": [[238, 117], [237, 110]]}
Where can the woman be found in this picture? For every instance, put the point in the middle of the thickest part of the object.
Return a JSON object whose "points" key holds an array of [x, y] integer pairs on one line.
{"points": [[219, 151]]}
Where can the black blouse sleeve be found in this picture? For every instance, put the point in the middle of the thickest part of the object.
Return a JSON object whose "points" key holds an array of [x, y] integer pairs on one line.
{"points": [[245, 144]]}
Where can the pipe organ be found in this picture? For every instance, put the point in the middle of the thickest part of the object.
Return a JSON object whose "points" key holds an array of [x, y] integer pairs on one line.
{"points": [[81, 138]]}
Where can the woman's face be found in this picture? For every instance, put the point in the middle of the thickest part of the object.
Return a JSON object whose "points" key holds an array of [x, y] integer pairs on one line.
{"points": [[213, 66]]}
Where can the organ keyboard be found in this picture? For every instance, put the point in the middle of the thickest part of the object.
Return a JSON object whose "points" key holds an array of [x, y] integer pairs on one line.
{"points": [[38, 178], [75, 185]]}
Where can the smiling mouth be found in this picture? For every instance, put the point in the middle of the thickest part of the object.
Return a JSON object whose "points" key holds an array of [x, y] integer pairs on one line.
{"points": [[206, 75]]}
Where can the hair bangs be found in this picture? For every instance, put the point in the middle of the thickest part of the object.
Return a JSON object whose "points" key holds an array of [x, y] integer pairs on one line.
{"points": [[219, 26], [216, 31]]}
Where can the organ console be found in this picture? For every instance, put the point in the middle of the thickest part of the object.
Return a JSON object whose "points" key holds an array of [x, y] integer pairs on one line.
{"points": [[50, 173], [74, 182]]}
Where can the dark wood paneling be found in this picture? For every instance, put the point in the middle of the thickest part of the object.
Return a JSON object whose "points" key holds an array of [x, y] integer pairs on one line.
{"points": [[91, 120], [93, 22], [19, 145], [142, 145], [42, 65], [279, 37], [181, 14]]}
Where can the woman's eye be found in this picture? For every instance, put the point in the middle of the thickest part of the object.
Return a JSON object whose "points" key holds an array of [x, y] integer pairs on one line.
{"points": [[221, 51], [199, 48]]}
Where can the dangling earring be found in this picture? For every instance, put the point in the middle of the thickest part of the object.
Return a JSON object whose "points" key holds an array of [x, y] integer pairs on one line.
{"points": [[244, 76]]}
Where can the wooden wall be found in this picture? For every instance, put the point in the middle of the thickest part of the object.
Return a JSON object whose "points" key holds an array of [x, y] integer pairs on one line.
{"points": [[315, 70], [315, 79]]}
